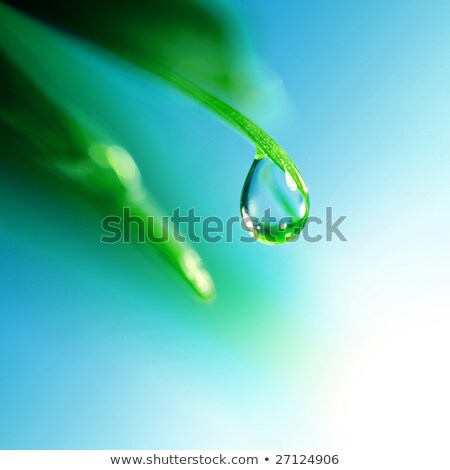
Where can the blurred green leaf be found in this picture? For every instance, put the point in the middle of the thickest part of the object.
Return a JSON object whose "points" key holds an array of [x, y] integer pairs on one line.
{"points": [[199, 43], [33, 128]]}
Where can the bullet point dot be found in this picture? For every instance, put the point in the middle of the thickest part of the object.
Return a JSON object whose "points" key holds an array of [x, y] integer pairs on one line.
{"points": [[267, 459]]}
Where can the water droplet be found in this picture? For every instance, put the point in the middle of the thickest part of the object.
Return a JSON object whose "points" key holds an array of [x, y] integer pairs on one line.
{"points": [[273, 208]]}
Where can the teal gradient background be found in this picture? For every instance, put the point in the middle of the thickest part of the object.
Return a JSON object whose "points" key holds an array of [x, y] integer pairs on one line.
{"points": [[324, 345]]}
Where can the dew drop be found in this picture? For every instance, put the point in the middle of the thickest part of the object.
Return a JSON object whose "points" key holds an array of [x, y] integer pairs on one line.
{"points": [[273, 208]]}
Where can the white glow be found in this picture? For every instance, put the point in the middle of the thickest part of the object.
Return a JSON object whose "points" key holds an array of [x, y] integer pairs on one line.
{"points": [[290, 181]]}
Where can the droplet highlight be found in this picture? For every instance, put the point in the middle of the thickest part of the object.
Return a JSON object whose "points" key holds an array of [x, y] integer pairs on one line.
{"points": [[274, 210]]}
